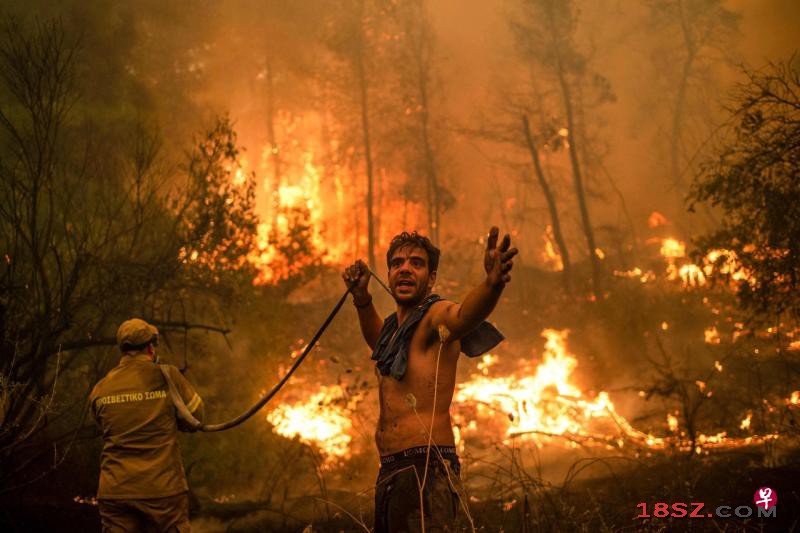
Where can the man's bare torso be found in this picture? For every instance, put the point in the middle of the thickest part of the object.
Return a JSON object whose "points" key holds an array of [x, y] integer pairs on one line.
{"points": [[406, 407]]}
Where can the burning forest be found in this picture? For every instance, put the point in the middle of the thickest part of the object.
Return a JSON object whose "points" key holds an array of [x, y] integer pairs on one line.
{"points": [[623, 354]]}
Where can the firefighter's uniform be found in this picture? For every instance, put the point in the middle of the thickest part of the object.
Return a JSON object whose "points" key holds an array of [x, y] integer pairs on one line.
{"points": [[142, 481]]}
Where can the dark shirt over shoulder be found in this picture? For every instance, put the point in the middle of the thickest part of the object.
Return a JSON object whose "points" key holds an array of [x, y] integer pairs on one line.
{"points": [[141, 457], [391, 350]]}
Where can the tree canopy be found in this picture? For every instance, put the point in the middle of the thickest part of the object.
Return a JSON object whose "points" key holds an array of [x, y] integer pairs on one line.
{"points": [[754, 178]]}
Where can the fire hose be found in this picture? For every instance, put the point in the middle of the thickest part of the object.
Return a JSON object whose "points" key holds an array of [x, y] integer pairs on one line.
{"points": [[186, 415]]}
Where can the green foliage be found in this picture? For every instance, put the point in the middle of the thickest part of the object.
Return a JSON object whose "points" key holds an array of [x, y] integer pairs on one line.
{"points": [[218, 220], [92, 224], [754, 179]]}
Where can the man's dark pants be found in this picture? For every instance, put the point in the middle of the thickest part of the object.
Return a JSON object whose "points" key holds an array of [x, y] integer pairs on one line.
{"points": [[397, 495]]}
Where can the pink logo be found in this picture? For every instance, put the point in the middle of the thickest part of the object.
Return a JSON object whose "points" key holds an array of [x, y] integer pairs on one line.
{"points": [[765, 497]]}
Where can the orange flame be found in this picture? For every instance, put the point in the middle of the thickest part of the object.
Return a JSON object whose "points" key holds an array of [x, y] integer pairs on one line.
{"points": [[550, 257], [323, 420], [545, 403], [311, 203], [718, 261], [673, 248], [542, 405]]}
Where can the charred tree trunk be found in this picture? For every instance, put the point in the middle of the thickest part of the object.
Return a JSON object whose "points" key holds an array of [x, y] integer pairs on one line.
{"points": [[551, 206], [678, 114], [579, 191], [577, 176], [434, 212], [274, 150], [680, 103], [363, 94], [597, 163], [423, 92], [677, 125]]}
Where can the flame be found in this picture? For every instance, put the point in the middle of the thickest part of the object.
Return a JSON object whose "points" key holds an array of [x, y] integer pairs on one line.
{"points": [[312, 202], [636, 273], [487, 361], [296, 203], [540, 404], [727, 263], [239, 176], [717, 261], [656, 219], [323, 420], [691, 275], [672, 422], [550, 257], [794, 399], [544, 403], [712, 337], [673, 248], [297, 228]]}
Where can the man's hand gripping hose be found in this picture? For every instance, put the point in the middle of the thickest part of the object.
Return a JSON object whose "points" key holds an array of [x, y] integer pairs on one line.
{"points": [[186, 415]]}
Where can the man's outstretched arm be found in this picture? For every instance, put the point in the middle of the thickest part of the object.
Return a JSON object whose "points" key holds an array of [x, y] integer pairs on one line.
{"points": [[462, 318], [357, 275]]}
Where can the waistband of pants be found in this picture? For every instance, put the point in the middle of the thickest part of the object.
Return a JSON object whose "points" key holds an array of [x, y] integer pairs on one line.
{"points": [[444, 452]]}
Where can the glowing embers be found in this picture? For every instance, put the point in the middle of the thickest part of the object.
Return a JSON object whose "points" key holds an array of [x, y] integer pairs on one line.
{"points": [[793, 336], [672, 423], [487, 361], [636, 273], [324, 421], [711, 336], [656, 219]]}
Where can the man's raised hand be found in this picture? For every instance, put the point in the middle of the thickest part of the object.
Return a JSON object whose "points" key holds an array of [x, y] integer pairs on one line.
{"points": [[356, 276], [498, 260]]}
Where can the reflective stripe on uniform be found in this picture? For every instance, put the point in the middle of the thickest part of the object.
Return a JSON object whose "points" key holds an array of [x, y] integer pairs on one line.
{"points": [[194, 404]]}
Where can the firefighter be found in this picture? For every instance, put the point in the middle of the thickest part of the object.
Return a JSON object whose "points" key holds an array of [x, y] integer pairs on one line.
{"points": [[142, 481]]}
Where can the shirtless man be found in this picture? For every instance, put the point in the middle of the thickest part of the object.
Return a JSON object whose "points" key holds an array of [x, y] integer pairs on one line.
{"points": [[416, 350]]}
